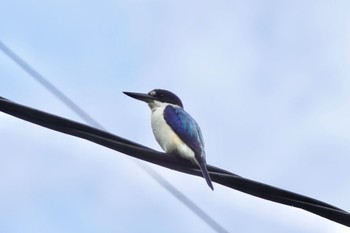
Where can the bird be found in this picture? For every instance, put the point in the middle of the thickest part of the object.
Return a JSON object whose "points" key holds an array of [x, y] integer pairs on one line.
{"points": [[174, 129]]}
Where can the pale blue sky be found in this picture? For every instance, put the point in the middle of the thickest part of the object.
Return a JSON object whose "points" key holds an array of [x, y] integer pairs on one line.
{"points": [[268, 81]]}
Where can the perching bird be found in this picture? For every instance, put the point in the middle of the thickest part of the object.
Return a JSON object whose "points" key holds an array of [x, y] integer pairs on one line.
{"points": [[174, 129]]}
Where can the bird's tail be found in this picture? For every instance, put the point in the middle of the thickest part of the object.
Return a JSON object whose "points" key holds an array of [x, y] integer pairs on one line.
{"points": [[203, 166]]}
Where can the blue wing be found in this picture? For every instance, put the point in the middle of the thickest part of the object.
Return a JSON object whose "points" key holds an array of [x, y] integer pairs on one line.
{"points": [[186, 128], [189, 132]]}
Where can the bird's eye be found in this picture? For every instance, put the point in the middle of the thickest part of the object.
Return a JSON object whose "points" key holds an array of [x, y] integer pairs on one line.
{"points": [[161, 95]]}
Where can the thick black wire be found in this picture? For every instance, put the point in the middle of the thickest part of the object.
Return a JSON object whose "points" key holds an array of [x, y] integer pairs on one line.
{"points": [[218, 175], [90, 120]]}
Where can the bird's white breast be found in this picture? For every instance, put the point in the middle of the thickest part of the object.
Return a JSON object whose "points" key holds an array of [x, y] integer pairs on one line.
{"points": [[167, 138]]}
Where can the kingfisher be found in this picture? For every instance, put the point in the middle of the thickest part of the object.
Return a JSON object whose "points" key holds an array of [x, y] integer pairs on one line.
{"points": [[174, 129]]}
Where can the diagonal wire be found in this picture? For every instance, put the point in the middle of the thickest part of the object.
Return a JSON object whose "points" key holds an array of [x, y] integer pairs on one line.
{"points": [[141, 152], [87, 118], [198, 211], [144, 153], [49, 86]]}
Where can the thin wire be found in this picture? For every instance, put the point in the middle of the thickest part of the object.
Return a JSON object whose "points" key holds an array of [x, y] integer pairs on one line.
{"points": [[185, 200], [86, 117], [50, 87]]}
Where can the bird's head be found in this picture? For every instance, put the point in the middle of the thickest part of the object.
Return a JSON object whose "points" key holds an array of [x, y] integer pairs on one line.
{"points": [[157, 98]]}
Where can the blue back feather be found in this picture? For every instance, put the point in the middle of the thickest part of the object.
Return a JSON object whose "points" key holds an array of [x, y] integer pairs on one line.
{"points": [[189, 132], [186, 128]]}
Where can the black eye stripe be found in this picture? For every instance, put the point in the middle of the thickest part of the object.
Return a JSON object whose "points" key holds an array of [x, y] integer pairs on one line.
{"points": [[165, 96]]}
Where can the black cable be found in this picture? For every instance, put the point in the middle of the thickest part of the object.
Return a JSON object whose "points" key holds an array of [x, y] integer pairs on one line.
{"points": [[218, 175], [88, 119]]}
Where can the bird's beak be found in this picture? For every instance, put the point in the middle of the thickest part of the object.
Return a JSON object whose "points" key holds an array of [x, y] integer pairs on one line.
{"points": [[139, 96]]}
